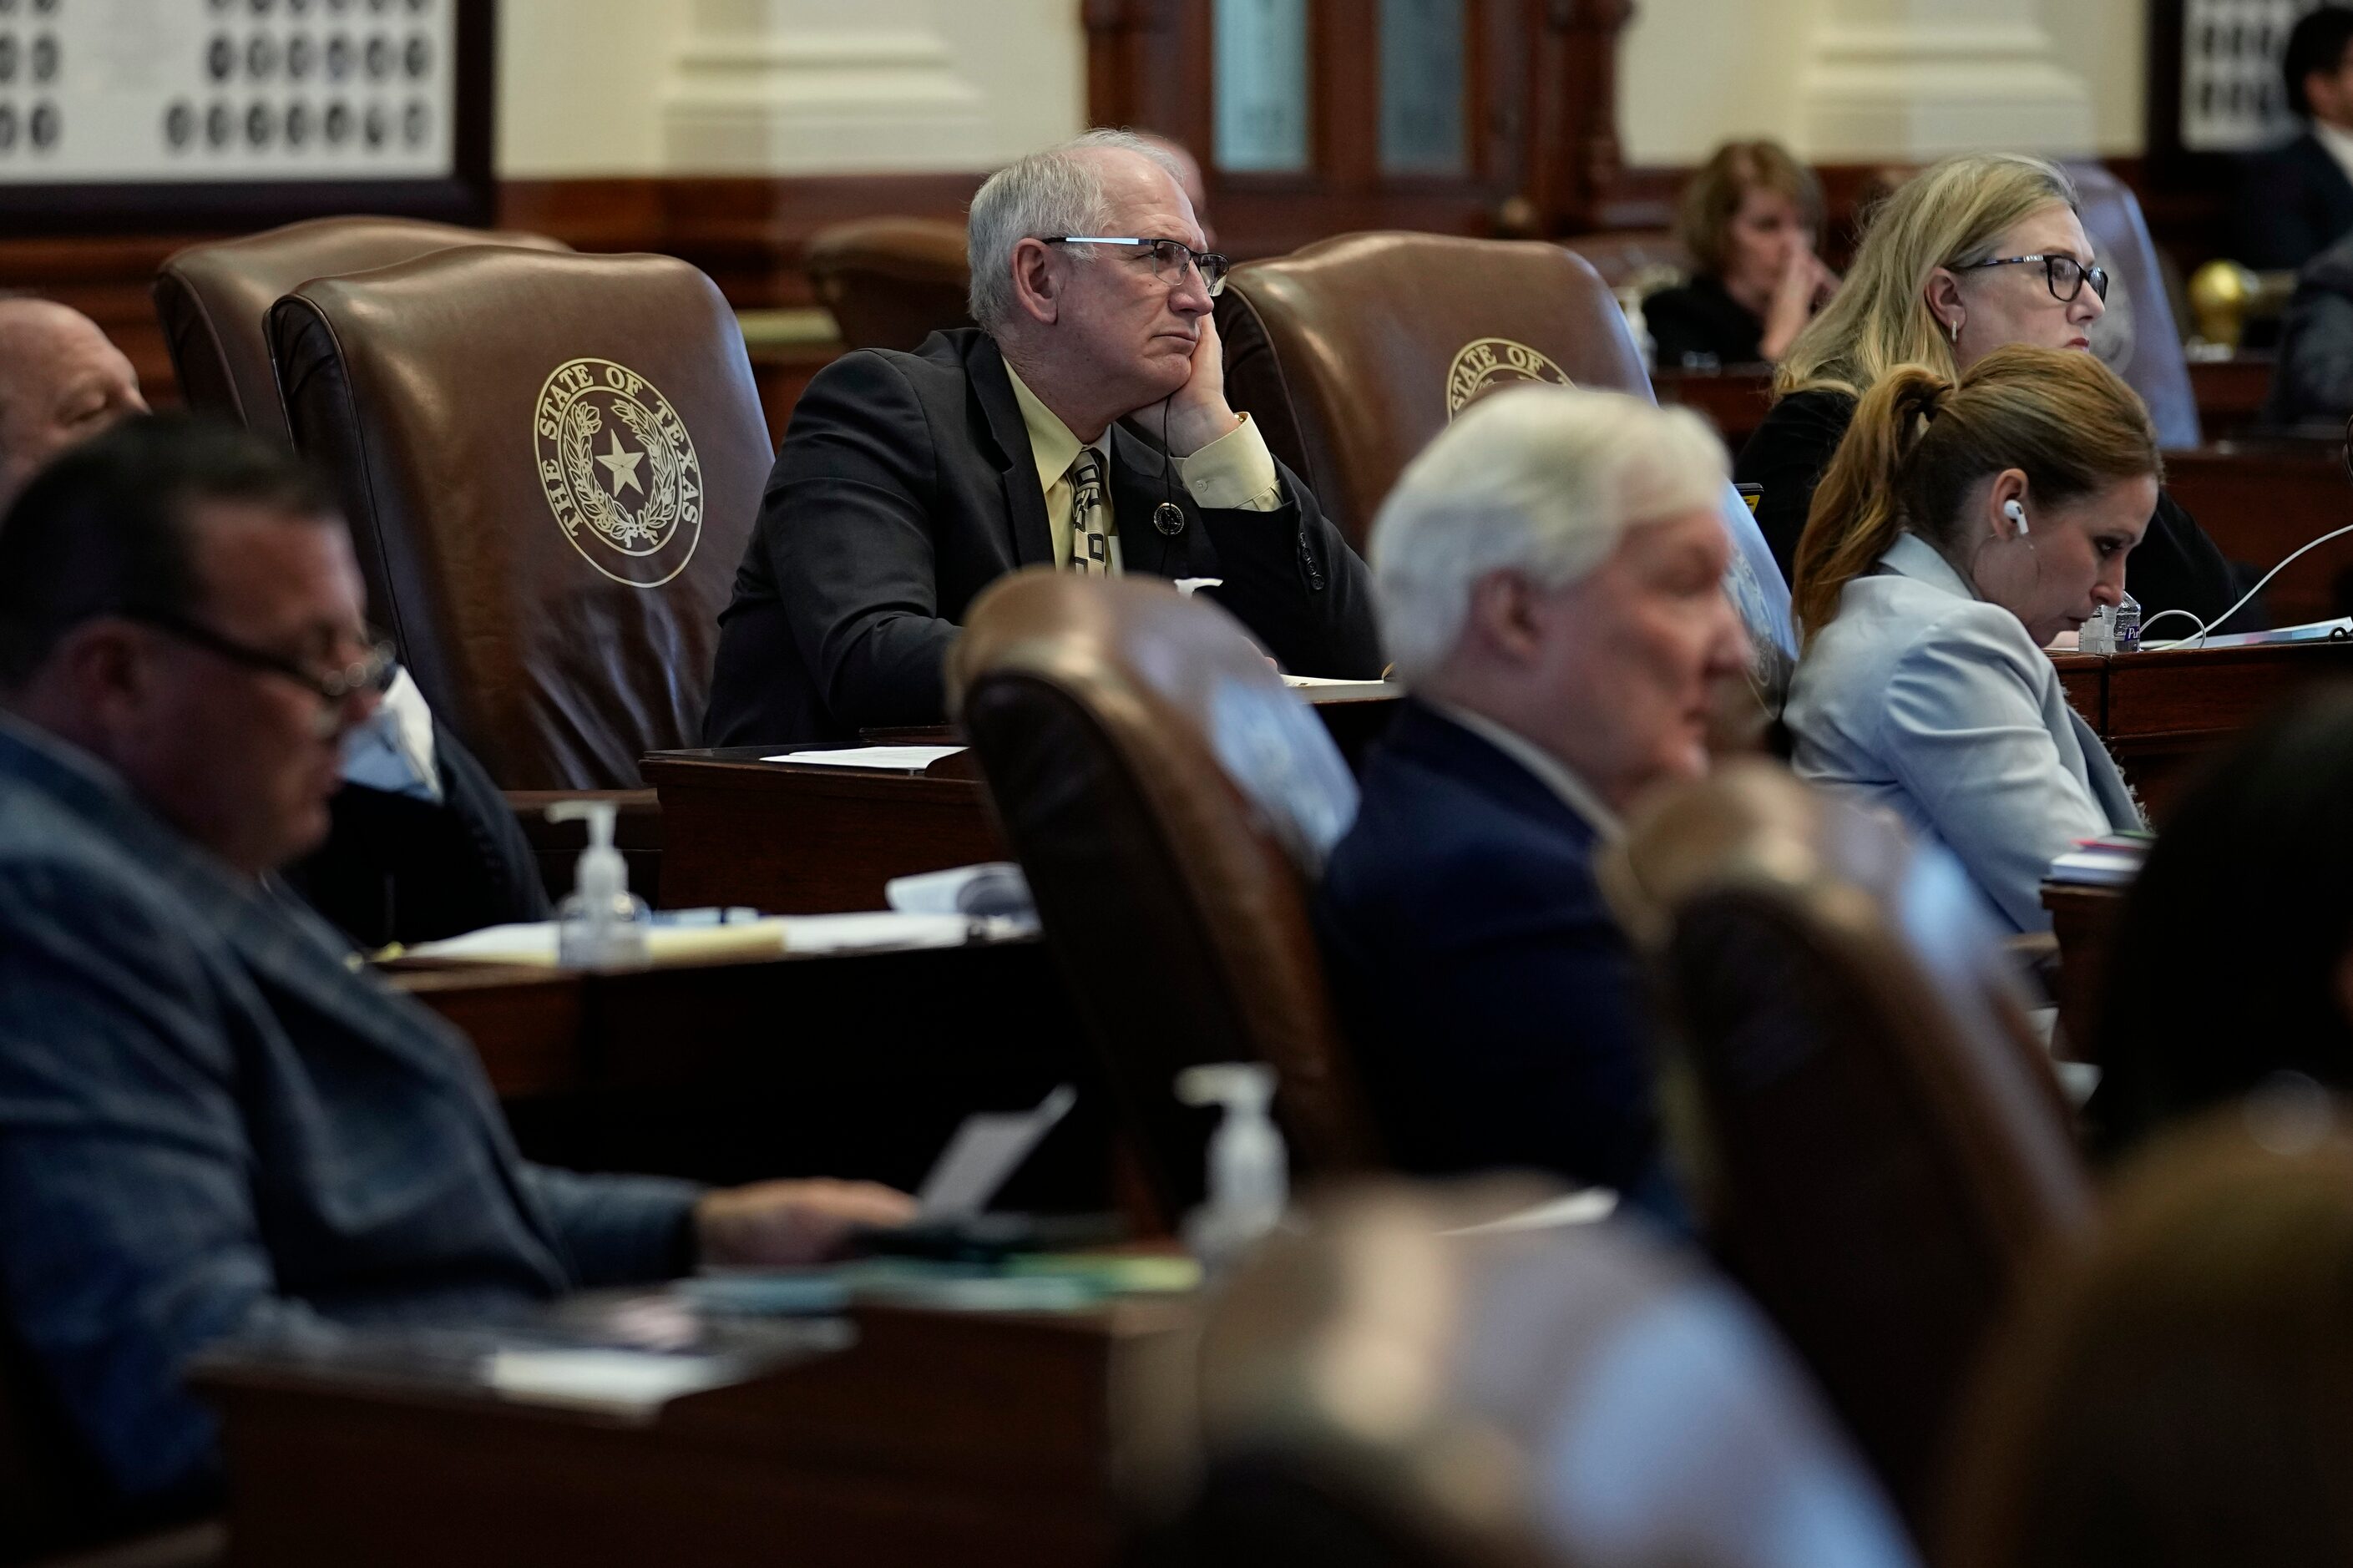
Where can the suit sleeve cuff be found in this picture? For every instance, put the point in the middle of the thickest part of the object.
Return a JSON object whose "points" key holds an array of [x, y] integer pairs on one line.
{"points": [[1233, 473], [619, 1230]]}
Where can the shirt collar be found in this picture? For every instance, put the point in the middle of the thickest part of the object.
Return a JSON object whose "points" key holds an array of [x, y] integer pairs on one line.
{"points": [[1914, 557], [1555, 774], [1053, 445], [2336, 142]]}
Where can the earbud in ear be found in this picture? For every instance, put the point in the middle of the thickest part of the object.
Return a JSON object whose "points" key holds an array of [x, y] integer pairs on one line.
{"points": [[2017, 514]]}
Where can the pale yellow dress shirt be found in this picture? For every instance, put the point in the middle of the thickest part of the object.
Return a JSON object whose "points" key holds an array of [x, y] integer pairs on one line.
{"points": [[1235, 473]]}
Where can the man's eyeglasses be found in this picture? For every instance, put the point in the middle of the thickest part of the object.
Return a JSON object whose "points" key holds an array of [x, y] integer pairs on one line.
{"points": [[373, 672], [2066, 275], [1169, 258]]}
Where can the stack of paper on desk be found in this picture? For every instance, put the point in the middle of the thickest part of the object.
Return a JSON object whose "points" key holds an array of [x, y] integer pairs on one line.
{"points": [[535, 943], [2110, 862], [876, 759]]}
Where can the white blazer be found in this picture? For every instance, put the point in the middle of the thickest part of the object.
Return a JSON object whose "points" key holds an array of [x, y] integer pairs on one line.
{"points": [[1923, 697]]}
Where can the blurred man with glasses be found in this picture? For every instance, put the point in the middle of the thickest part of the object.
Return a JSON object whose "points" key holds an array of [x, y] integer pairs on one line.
{"points": [[422, 844], [1082, 425], [215, 1121]]}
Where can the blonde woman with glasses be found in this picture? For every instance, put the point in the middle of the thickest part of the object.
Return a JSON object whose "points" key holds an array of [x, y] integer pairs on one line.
{"points": [[1975, 254]]}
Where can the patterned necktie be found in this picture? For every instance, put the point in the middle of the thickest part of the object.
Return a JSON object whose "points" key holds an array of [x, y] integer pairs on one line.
{"points": [[1089, 544]]}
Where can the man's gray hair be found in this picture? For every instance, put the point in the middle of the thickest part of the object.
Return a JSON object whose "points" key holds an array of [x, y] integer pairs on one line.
{"points": [[1543, 480], [1056, 192]]}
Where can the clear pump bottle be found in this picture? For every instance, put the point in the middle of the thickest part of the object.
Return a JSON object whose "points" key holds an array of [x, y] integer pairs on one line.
{"points": [[1250, 1172], [600, 924]]}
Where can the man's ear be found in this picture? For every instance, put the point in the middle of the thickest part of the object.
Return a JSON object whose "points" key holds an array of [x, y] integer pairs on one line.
{"points": [[1501, 614], [1037, 282], [102, 668]]}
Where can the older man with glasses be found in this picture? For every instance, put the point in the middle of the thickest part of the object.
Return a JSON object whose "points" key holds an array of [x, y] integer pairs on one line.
{"points": [[214, 1122], [909, 482]]}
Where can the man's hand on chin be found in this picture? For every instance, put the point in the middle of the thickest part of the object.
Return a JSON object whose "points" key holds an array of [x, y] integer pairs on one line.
{"points": [[1197, 412]]}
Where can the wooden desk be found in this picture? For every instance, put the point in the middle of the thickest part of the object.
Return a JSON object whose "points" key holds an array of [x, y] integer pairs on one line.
{"points": [[2260, 502], [850, 1064], [799, 839], [2083, 920], [1735, 401], [979, 1439], [2160, 712]]}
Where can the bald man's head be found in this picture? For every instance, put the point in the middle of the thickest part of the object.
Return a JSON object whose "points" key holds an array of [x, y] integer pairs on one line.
{"points": [[61, 382]]}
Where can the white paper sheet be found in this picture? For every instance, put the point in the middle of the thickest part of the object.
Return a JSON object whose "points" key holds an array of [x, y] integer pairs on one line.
{"points": [[628, 1381], [877, 758], [535, 943]]}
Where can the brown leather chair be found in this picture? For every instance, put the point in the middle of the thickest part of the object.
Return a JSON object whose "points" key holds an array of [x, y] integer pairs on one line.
{"points": [[1352, 352], [2137, 335], [2176, 1395], [1372, 1389], [890, 283], [1879, 1149], [551, 465], [1169, 799], [211, 300]]}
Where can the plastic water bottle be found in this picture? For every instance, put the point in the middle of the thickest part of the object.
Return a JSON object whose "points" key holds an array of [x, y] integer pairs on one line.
{"points": [[2127, 625]]}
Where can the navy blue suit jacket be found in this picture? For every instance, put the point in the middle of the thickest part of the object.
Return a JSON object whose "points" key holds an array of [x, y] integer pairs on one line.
{"points": [[1495, 1006], [2293, 203], [214, 1122]]}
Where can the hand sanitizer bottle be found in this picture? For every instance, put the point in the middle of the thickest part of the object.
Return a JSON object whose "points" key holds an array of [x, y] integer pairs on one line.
{"points": [[1250, 1174], [601, 923]]}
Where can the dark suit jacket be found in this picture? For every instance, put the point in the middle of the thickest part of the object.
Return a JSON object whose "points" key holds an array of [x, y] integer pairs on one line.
{"points": [[1496, 1006], [212, 1125], [906, 486], [399, 869], [1700, 322], [2175, 566], [2293, 203]]}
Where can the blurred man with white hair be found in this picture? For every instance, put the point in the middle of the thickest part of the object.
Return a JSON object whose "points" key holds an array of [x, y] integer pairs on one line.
{"points": [[1550, 578], [908, 482]]}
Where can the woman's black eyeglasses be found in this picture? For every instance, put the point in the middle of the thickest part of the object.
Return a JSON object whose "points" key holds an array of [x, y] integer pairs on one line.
{"points": [[1169, 257], [373, 672], [2066, 275]]}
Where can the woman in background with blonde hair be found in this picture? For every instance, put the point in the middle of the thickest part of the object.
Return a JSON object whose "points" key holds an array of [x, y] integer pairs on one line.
{"points": [[1965, 523], [1751, 218], [1972, 255]]}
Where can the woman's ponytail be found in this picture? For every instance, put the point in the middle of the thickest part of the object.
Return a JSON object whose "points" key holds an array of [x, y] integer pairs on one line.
{"points": [[1854, 516]]}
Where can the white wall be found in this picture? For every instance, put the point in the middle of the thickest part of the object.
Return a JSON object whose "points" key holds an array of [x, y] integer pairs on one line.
{"points": [[580, 84], [591, 87], [1693, 73], [583, 82]]}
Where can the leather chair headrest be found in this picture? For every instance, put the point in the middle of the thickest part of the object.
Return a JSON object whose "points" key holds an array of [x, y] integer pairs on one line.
{"points": [[212, 297], [1352, 352], [1171, 801], [1881, 1151], [552, 465], [890, 283]]}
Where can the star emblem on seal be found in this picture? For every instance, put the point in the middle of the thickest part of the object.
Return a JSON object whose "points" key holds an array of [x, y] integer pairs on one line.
{"points": [[619, 471]]}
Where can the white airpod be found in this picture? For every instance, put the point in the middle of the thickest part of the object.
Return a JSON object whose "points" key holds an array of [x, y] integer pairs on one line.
{"points": [[2017, 514]]}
